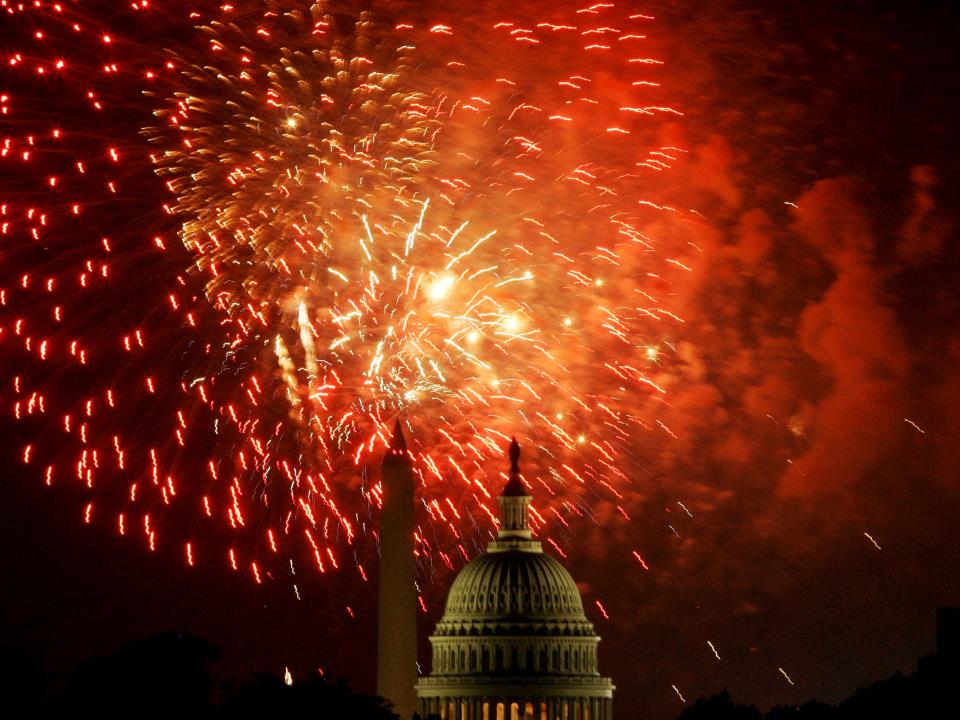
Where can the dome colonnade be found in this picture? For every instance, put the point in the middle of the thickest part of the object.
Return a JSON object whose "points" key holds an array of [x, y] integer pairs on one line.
{"points": [[514, 642]]}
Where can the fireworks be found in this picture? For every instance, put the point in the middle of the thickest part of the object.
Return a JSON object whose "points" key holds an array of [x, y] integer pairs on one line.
{"points": [[335, 218]]}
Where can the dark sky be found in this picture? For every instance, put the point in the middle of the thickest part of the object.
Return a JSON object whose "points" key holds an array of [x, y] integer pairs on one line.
{"points": [[815, 389]]}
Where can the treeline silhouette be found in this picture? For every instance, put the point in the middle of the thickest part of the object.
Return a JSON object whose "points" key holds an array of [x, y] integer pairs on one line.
{"points": [[168, 675], [931, 692]]}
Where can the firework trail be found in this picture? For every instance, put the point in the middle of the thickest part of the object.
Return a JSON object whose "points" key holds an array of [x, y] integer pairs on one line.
{"points": [[232, 262]]}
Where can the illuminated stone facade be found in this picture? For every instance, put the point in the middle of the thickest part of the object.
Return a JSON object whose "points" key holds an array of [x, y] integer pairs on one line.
{"points": [[513, 642]]}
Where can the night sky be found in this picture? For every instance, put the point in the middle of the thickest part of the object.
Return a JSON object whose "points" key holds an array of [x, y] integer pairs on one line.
{"points": [[800, 520]]}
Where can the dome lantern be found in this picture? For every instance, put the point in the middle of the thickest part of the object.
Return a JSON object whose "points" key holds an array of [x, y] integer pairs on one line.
{"points": [[514, 503]]}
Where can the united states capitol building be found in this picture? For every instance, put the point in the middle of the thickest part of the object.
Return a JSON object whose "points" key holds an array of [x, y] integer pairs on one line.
{"points": [[514, 642]]}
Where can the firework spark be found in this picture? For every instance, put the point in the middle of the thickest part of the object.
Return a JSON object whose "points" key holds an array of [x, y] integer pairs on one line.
{"points": [[377, 216]]}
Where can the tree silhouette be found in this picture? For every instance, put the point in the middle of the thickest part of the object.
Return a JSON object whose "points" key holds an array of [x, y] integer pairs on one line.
{"points": [[168, 676], [719, 707], [162, 676], [23, 681], [808, 711], [317, 699], [931, 693]]}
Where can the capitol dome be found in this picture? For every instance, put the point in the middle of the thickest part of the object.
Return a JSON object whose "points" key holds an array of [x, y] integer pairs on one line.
{"points": [[514, 584], [513, 642]]}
